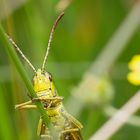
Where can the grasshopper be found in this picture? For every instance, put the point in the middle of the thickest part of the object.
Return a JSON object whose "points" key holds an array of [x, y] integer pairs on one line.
{"points": [[66, 126]]}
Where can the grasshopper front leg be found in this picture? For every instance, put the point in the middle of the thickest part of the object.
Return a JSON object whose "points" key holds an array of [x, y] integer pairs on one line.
{"points": [[56, 99], [26, 105], [48, 101]]}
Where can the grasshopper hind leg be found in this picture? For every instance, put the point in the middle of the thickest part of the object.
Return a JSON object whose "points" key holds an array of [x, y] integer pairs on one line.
{"points": [[43, 131], [71, 134]]}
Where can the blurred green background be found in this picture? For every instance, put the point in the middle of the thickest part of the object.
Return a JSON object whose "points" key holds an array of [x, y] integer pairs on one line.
{"points": [[80, 38]]}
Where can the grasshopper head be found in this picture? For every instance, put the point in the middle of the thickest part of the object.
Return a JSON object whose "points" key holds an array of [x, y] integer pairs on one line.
{"points": [[42, 81]]}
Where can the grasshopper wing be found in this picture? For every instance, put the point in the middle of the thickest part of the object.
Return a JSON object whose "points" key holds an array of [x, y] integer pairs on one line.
{"points": [[74, 122], [73, 128]]}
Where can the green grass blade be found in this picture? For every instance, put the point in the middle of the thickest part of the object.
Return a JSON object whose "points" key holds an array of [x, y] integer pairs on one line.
{"points": [[6, 126], [11, 51]]}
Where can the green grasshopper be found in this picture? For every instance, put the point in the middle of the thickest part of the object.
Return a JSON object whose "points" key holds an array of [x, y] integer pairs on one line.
{"points": [[66, 126]]}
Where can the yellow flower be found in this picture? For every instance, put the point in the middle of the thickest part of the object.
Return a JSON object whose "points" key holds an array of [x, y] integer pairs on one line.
{"points": [[134, 65]]}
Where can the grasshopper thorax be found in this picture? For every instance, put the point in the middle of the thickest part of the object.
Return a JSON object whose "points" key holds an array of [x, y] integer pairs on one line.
{"points": [[42, 81]]}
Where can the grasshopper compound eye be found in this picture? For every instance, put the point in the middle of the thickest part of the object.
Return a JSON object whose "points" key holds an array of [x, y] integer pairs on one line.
{"points": [[47, 74]]}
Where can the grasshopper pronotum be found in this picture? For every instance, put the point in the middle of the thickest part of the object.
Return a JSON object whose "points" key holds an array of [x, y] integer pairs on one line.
{"points": [[66, 126]]}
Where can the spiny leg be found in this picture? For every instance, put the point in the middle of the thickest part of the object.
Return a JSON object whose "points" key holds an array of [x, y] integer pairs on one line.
{"points": [[58, 99], [48, 101], [70, 130], [19, 106], [27, 107]]}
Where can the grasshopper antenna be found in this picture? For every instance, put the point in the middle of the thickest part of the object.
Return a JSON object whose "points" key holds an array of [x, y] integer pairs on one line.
{"points": [[20, 52], [50, 38]]}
